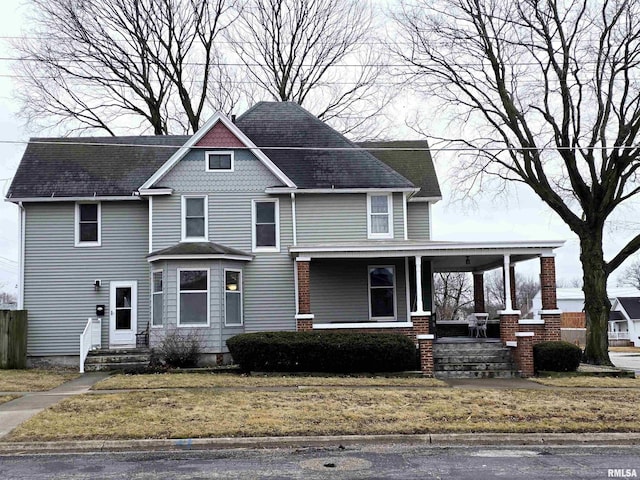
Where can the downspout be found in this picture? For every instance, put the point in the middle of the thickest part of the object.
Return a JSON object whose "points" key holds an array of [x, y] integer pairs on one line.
{"points": [[293, 219], [150, 223], [22, 225]]}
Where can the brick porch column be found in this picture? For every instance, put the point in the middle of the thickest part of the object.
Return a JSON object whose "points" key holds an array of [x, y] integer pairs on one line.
{"points": [[550, 313], [508, 325], [304, 317], [524, 353], [425, 341], [478, 292]]}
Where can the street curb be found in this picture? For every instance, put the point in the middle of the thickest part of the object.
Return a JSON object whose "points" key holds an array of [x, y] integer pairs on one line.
{"points": [[433, 440]]}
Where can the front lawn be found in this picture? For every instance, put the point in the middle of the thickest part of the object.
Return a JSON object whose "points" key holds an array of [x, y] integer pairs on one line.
{"points": [[589, 381], [222, 380], [33, 380], [317, 411]]}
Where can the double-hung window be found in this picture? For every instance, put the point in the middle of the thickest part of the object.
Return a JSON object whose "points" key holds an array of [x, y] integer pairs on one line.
{"points": [[88, 224], [382, 292], [156, 298], [193, 297], [266, 225], [232, 297], [379, 216], [194, 218]]}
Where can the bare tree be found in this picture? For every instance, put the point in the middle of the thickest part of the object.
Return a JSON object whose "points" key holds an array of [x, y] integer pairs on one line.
{"points": [[630, 275], [314, 53], [103, 64], [526, 289], [548, 96], [452, 294]]}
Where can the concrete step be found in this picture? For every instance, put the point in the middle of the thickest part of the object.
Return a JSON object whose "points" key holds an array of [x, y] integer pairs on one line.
{"points": [[477, 358], [114, 367], [478, 374], [129, 358], [449, 367]]}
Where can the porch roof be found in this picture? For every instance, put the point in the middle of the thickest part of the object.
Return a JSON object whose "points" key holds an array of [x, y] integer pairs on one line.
{"points": [[445, 256], [199, 251]]}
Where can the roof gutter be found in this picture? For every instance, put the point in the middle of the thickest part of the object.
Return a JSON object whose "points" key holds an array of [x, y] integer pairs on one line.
{"points": [[95, 198], [284, 190]]}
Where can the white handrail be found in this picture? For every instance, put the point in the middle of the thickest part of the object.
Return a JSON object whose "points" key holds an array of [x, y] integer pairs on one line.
{"points": [[89, 339], [618, 335]]}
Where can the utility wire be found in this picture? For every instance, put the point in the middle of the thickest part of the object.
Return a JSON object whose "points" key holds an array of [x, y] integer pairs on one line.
{"points": [[324, 149]]}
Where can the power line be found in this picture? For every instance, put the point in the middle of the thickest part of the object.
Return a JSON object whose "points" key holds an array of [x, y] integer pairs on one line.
{"points": [[326, 149]]}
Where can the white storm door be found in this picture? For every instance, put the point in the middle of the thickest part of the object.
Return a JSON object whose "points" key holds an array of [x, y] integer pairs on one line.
{"points": [[123, 313]]}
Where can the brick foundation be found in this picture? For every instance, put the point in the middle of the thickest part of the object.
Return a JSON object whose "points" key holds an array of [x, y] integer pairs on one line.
{"points": [[508, 327], [551, 327], [304, 325], [425, 347]]}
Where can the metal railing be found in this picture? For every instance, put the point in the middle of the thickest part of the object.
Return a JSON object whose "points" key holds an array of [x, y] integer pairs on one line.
{"points": [[90, 339], [618, 335]]}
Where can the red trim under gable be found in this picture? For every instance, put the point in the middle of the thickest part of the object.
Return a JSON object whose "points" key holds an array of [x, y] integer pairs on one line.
{"points": [[220, 137]]}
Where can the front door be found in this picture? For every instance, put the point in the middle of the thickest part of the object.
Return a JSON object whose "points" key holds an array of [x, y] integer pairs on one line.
{"points": [[123, 309]]}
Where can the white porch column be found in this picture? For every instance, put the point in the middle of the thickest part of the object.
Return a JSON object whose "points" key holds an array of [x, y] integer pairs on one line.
{"points": [[507, 284], [419, 301]]}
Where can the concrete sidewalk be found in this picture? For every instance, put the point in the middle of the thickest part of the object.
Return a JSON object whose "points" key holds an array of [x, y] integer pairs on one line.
{"points": [[15, 412]]}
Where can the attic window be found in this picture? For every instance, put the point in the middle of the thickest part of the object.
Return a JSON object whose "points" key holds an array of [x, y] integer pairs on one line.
{"points": [[219, 161]]}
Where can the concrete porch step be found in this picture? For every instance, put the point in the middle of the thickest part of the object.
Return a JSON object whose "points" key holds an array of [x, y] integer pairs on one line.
{"points": [[475, 366], [477, 358], [468, 359], [479, 374], [117, 359]]}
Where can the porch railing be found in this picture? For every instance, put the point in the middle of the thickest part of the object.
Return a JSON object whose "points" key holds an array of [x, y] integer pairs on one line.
{"points": [[90, 339], [618, 335]]}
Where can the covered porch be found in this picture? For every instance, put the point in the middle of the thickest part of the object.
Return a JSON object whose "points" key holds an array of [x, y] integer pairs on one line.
{"points": [[379, 286]]}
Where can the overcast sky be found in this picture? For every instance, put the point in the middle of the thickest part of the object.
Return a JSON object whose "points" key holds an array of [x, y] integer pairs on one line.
{"points": [[519, 217]]}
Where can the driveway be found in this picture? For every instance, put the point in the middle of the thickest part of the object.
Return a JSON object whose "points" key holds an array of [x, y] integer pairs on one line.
{"points": [[626, 360]]}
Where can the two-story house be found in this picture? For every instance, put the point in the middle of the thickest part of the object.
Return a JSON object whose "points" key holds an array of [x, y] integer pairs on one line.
{"points": [[273, 221]]}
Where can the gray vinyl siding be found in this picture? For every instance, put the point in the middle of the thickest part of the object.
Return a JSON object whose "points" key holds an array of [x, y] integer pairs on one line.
{"points": [[339, 289], [269, 292], [418, 220], [325, 218], [59, 277]]}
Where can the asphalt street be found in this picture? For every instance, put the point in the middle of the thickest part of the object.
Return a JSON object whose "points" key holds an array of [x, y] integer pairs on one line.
{"points": [[371, 462]]}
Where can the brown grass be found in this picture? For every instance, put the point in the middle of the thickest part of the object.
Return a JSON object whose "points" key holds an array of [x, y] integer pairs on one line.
{"points": [[592, 382], [7, 398], [33, 380], [209, 380], [207, 413], [625, 349]]}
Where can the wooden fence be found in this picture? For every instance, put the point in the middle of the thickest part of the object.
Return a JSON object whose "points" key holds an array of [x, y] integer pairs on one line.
{"points": [[13, 339]]}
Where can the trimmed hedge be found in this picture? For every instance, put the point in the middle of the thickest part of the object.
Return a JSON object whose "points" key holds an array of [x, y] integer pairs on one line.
{"points": [[334, 352], [556, 356]]}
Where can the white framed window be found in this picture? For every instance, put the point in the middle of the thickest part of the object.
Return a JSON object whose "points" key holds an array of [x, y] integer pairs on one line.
{"points": [[88, 224], [265, 231], [219, 161], [232, 297], [193, 297], [157, 290], [380, 215], [382, 292], [195, 218]]}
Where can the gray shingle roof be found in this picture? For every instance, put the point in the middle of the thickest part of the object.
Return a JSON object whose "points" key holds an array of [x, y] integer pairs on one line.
{"points": [[616, 315], [415, 165], [286, 124], [631, 305], [74, 167], [199, 248]]}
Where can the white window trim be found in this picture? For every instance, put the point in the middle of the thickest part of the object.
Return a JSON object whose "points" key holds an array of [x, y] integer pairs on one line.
{"points": [[156, 293], [193, 325], [219, 152], [395, 293], [240, 292], [255, 248], [78, 243], [183, 219], [389, 234]]}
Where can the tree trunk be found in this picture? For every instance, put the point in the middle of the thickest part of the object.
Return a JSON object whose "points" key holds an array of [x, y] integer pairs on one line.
{"points": [[596, 300]]}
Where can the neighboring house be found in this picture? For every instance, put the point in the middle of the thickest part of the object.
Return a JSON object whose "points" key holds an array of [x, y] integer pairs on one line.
{"points": [[624, 321], [273, 221]]}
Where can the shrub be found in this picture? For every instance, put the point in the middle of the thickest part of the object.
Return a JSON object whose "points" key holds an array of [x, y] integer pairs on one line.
{"points": [[556, 356], [179, 351], [335, 352]]}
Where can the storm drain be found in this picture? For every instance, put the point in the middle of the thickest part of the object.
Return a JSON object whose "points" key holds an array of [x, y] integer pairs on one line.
{"points": [[345, 464]]}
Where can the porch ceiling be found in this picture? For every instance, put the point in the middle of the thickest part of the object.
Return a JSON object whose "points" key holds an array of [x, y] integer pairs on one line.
{"points": [[445, 256]]}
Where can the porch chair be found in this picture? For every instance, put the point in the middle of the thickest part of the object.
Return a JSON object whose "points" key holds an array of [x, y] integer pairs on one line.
{"points": [[481, 327], [472, 322]]}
